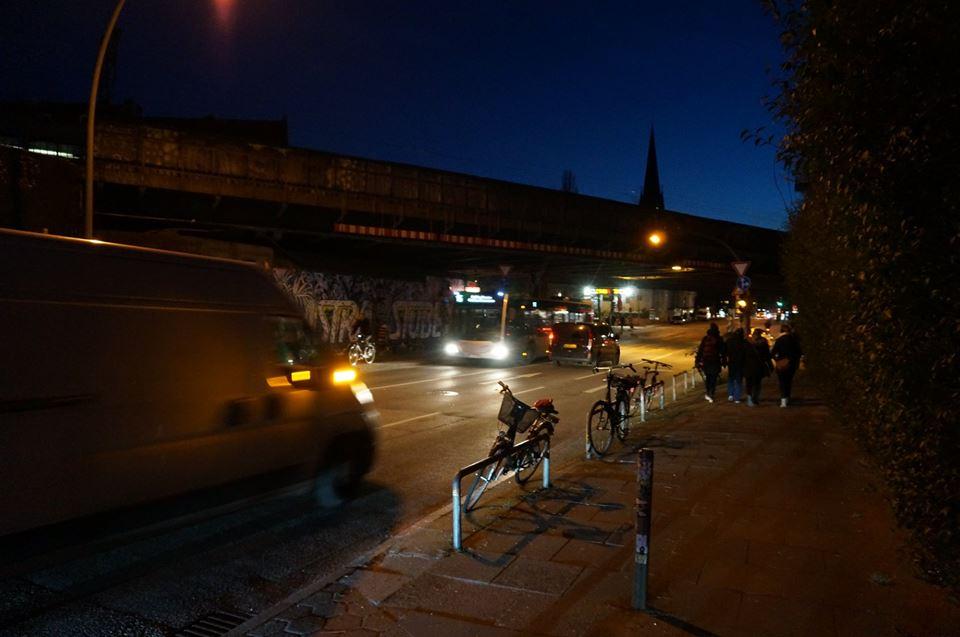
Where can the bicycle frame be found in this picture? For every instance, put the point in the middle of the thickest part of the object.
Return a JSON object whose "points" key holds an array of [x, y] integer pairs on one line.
{"points": [[513, 414]]}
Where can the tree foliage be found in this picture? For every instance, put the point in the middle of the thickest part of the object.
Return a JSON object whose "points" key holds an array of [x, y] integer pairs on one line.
{"points": [[870, 96]]}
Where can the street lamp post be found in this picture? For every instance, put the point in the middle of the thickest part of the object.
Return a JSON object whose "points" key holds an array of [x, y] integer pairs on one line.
{"points": [[657, 238], [91, 116]]}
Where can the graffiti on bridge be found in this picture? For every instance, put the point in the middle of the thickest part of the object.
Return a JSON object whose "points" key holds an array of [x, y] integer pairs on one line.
{"points": [[332, 303]]}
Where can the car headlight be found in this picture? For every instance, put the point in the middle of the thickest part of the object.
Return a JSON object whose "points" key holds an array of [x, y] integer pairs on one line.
{"points": [[451, 349], [500, 351]]}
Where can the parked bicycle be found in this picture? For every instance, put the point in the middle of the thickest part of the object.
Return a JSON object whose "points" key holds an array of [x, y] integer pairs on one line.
{"points": [[610, 416], [363, 350], [518, 418], [651, 385]]}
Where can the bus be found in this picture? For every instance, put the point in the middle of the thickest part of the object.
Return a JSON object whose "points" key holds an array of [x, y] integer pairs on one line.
{"points": [[479, 329]]}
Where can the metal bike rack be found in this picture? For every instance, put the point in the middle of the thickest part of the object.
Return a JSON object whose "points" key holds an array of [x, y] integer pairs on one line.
{"points": [[480, 464]]}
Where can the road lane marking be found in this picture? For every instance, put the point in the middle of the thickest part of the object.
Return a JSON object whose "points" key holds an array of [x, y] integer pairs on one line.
{"points": [[526, 390], [516, 377], [430, 380], [588, 376], [454, 377], [406, 420], [587, 391]]}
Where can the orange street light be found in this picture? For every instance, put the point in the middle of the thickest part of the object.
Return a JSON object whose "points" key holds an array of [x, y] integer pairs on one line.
{"points": [[655, 238]]}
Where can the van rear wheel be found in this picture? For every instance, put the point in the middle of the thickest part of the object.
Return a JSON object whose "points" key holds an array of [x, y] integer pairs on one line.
{"points": [[341, 471]]}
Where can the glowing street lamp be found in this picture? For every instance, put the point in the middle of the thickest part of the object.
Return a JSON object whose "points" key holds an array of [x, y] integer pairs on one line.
{"points": [[655, 238]]}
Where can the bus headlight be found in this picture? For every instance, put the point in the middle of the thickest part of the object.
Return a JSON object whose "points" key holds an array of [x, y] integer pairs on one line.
{"points": [[451, 349], [499, 351]]}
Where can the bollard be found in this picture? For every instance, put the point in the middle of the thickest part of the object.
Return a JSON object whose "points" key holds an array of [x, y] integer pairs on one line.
{"points": [[643, 406], [546, 467], [662, 396], [642, 546], [456, 513], [674, 388], [588, 451], [684, 382]]}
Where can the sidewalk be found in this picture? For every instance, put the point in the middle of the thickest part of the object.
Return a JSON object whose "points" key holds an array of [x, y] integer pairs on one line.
{"points": [[767, 521]]}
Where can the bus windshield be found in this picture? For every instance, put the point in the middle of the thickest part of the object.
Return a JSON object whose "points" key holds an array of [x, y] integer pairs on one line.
{"points": [[476, 323], [477, 317]]}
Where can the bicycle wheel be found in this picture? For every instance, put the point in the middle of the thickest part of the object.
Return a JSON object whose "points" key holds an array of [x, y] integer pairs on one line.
{"points": [[528, 462], [623, 415], [369, 354], [600, 427], [480, 483], [353, 355]]}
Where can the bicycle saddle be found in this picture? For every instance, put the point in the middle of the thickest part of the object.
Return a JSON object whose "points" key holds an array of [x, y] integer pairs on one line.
{"points": [[545, 405]]}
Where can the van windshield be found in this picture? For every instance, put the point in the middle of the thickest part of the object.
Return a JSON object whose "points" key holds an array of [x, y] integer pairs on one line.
{"points": [[295, 344]]}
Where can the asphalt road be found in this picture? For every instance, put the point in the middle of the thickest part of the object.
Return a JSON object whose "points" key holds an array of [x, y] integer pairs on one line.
{"points": [[434, 420]]}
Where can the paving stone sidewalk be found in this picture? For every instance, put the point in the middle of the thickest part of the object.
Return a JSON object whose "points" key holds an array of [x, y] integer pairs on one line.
{"points": [[767, 521]]}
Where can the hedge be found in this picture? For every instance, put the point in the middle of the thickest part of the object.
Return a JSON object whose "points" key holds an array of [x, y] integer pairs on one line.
{"points": [[870, 97]]}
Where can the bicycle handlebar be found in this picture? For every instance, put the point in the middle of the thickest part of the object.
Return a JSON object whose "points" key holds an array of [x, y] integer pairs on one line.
{"points": [[657, 363], [613, 367]]}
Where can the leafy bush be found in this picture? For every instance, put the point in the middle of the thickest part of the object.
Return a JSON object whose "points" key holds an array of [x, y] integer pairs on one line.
{"points": [[870, 96]]}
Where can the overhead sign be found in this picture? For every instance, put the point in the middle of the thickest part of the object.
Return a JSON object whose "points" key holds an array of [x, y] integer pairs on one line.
{"points": [[740, 267]]}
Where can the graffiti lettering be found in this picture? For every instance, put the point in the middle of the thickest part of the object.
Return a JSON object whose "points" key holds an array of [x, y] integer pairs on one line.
{"points": [[415, 319]]}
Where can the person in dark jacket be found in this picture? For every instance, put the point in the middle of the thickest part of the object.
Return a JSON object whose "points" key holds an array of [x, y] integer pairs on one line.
{"points": [[736, 350], [756, 365], [710, 359], [786, 352]]}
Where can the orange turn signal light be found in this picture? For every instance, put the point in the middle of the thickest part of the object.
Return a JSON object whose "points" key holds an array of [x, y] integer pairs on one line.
{"points": [[341, 376]]}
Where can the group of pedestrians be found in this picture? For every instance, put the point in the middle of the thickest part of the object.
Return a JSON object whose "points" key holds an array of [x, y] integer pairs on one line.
{"points": [[748, 361]]}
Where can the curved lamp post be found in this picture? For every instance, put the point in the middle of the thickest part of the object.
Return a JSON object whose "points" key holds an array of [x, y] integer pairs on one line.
{"points": [[657, 238], [91, 115]]}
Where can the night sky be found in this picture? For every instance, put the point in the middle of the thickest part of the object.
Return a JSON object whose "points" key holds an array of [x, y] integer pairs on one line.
{"points": [[517, 91]]}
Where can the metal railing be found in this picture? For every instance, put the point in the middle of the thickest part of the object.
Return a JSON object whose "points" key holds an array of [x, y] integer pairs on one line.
{"points": [[480, 464]]}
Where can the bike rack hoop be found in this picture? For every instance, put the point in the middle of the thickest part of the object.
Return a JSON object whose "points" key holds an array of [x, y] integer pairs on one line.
{"points": [[480, 464]]}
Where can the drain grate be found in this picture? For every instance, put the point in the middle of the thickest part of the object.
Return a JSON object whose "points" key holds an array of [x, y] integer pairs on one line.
{"points": [[215, 624]]}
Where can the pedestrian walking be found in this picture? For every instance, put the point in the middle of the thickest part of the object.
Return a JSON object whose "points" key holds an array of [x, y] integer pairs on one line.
{"points": [[756, 365], [786, 356], [736, 351], [710, 359]]}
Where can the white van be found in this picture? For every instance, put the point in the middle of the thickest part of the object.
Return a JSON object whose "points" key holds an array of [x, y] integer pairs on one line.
{"points": [[129, 374]]}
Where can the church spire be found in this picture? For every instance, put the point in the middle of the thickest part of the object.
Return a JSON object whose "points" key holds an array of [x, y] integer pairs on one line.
{"points": [[651, 196]]}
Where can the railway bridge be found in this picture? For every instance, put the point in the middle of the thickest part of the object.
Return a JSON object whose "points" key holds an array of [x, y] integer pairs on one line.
{"points": [[334, 212]]}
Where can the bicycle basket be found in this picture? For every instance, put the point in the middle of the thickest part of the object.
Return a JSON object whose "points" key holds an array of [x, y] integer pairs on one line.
{"points": [[514, 413]]}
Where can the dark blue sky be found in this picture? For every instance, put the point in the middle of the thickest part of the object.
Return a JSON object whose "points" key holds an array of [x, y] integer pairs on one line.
{"points": [[512, 90]]}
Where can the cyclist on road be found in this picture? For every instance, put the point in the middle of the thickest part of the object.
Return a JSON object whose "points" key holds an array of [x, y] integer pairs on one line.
{"points": [[361, 327], [711, 357]]}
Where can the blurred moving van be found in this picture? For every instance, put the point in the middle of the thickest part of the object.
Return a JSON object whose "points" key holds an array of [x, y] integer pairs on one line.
{"points": [[130, 375]]}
